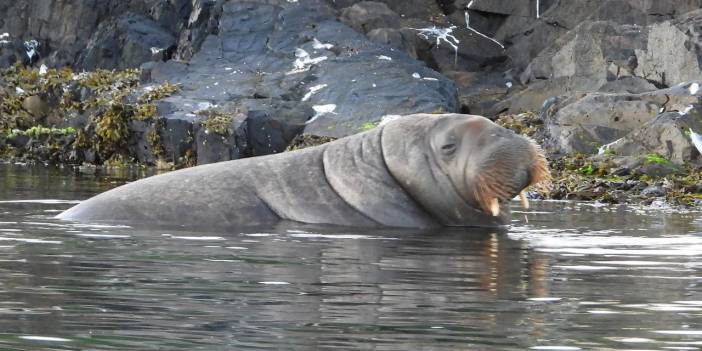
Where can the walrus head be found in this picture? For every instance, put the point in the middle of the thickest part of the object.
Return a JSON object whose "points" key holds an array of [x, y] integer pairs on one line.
{"points": [[462, 168]]}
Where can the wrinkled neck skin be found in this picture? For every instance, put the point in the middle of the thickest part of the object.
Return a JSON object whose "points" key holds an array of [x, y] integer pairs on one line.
{"points": [[412, 163], [355, 169]]}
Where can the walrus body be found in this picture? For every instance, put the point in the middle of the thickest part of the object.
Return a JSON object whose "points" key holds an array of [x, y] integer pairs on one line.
{"points": [[418, 171]]}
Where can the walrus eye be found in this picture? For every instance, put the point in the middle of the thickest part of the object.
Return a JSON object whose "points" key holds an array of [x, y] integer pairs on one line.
{"points": [[448, 149]]}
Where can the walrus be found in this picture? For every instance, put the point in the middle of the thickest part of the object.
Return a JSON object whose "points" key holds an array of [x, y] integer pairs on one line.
{"points": [[418, 171]]}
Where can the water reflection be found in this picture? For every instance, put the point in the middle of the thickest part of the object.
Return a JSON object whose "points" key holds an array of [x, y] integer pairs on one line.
{"points": [[574, 277]]}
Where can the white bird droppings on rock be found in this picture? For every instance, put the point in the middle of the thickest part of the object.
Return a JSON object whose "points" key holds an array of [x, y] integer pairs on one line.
{"points": [[696, 140], [313, 90], [604, 148], [318, 45], [321, 110], [304, 62], [694, 88], [383, 57], [686, 110]]}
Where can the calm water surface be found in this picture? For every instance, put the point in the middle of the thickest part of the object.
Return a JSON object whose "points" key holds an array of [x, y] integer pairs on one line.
{"points": [[564, 276]]}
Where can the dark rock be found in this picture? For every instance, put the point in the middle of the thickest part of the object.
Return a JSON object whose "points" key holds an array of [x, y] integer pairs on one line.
{"points": [[216, 146], [176, 138], [657, 170], [253, 56], [368, 15], [18, 140], [144, 141], [200, 23], [47, 22], [480, 92], [125, 42], [9, 51]]}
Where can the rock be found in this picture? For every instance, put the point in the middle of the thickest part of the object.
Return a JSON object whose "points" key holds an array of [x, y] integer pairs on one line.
{"points": [[405, 8], [666, 135], [534, 97], [530, 36], [216, 140], [303, 141], [126, 42], [402, 39], [480, 92], [36, 106], [582, 123], [368, 15], [9, 53], [595, 53], [301, 56], [657, 170], [631, 85], [200, 23], [176, 137], [46, 22]]}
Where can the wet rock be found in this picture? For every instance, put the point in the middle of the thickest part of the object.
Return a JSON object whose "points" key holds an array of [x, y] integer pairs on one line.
{"points": [[653, 191], [144, 141], [657, 170], [18, 140], [217, 143]]}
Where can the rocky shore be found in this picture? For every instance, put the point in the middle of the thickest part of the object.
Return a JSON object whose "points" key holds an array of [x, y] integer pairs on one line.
{"points": [[610, 88]]}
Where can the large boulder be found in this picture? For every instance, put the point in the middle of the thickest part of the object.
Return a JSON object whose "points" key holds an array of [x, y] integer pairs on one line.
{"points": [[667, 135], [597, 52], [126, 42], [299, 54], [585, 122], [63, 28], [528, 36]]}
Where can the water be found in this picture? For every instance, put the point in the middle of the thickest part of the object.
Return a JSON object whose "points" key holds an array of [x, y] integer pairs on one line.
{"points": [[575, 276]]}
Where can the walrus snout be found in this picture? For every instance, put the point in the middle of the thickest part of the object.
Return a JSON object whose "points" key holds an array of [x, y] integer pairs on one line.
{"points": [[509, 167]]}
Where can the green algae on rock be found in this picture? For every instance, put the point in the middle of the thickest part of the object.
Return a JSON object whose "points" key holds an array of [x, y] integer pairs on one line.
{"points": [[98, 108]]}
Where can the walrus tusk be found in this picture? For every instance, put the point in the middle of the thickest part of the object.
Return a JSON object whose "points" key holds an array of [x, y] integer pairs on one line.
{"points": [[494, 207], [525, 201]]}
